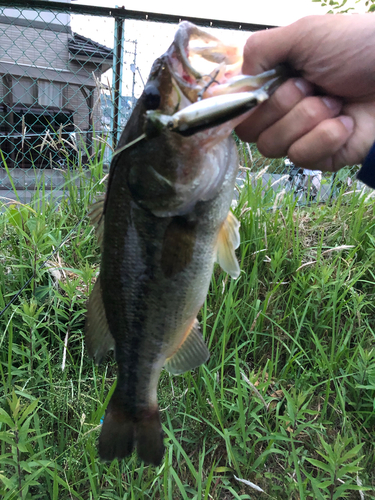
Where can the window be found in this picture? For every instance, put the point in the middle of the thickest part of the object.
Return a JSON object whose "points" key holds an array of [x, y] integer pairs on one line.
{"points": [[24, 91], [50, 93], [43, 92]]}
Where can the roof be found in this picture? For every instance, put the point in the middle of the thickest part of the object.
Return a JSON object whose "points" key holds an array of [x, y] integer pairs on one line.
{"points": [[79, 45], [80, 77]]}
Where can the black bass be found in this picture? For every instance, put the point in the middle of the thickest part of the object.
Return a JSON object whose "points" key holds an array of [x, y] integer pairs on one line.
{"points": [[166, 219]]}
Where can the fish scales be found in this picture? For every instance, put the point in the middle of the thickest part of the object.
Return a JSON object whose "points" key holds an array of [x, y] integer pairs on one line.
{"points": [[166, 220], [144, 295]]}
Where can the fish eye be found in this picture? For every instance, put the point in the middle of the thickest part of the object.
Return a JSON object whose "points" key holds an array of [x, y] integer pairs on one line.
{"points": [[151, 97]]}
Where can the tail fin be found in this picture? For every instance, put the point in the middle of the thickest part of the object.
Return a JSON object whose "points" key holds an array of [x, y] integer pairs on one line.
{"points": [[121, 431], [117, 437], [149, 437]]}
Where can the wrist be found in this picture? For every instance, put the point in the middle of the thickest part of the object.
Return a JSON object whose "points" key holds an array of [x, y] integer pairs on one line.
{"points": [[366, 173]]}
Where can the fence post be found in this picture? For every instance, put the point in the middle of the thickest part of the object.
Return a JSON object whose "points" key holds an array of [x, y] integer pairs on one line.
{"points": [[118, 62]]}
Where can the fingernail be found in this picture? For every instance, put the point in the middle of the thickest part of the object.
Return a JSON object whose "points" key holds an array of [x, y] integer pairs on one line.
{"points": [[304, 86], [348, 122], [332, 103]]}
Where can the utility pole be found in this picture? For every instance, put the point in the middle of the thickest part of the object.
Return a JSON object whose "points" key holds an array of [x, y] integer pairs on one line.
{"points": [[135, 67]]}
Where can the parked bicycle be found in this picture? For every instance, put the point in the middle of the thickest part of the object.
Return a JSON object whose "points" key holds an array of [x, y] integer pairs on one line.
{"points": [[305, 184]]}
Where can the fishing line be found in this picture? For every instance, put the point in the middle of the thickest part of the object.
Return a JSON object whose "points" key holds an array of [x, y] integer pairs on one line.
{"points": [[129, 144], [40, 267]]}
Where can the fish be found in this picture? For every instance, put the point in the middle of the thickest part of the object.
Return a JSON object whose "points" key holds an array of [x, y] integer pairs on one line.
{"points": [[163, 224]]}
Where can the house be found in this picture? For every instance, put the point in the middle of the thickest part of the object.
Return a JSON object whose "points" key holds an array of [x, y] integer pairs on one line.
{"points": [[48, 85]]}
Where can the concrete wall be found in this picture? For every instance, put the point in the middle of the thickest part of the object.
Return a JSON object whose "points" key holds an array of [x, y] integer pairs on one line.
{"points": [[26, 182]]}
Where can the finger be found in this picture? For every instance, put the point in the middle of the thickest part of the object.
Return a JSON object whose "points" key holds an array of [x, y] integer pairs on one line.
{"points": [[275, 141], [278, 105], [303, 44], [331, 136]]}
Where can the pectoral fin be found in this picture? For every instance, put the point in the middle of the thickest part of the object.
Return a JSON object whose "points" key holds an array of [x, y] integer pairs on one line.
{"points": [[98, 338], [228, 241], [97, 218], [190, 354]]}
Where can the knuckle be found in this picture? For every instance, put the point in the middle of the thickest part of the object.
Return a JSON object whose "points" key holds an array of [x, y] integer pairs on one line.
{"points": [[252, 46], [310, 110], [253, 43], [321, 147]]}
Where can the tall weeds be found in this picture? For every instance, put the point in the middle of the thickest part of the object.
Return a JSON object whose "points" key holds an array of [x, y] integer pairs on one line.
{"points": [[285, 404]]}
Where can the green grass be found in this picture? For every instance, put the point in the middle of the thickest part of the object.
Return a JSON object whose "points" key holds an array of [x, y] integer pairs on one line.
{"points": [[286, 401]]}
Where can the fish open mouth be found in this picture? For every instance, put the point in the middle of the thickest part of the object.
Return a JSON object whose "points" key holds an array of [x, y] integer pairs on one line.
{"points": [[201, 64], [209, 88]]}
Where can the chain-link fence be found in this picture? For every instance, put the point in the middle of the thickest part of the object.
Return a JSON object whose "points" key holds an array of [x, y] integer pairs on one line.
{"points": [[69, 81]]}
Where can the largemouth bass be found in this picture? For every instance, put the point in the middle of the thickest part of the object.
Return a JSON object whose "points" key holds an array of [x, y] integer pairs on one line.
{"points": [[166, 220]]}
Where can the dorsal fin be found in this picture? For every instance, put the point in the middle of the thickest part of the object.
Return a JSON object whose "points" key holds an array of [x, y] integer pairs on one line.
{"points": [[228, 240], [190, 354]]}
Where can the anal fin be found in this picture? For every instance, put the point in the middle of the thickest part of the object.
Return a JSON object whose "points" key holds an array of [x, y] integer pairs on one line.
{"points": [[98, 338], [228, 241], [190, 354]]}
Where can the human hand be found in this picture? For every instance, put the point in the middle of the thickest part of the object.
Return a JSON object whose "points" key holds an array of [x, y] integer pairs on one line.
{"points": [[336, 58]]}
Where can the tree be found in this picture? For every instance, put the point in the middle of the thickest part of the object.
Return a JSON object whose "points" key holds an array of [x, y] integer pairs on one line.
{"points": [[341, 7]]}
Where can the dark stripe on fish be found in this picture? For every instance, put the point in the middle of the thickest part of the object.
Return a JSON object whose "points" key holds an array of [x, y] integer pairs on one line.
{"points": [[132, 338], [178, 246]]}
